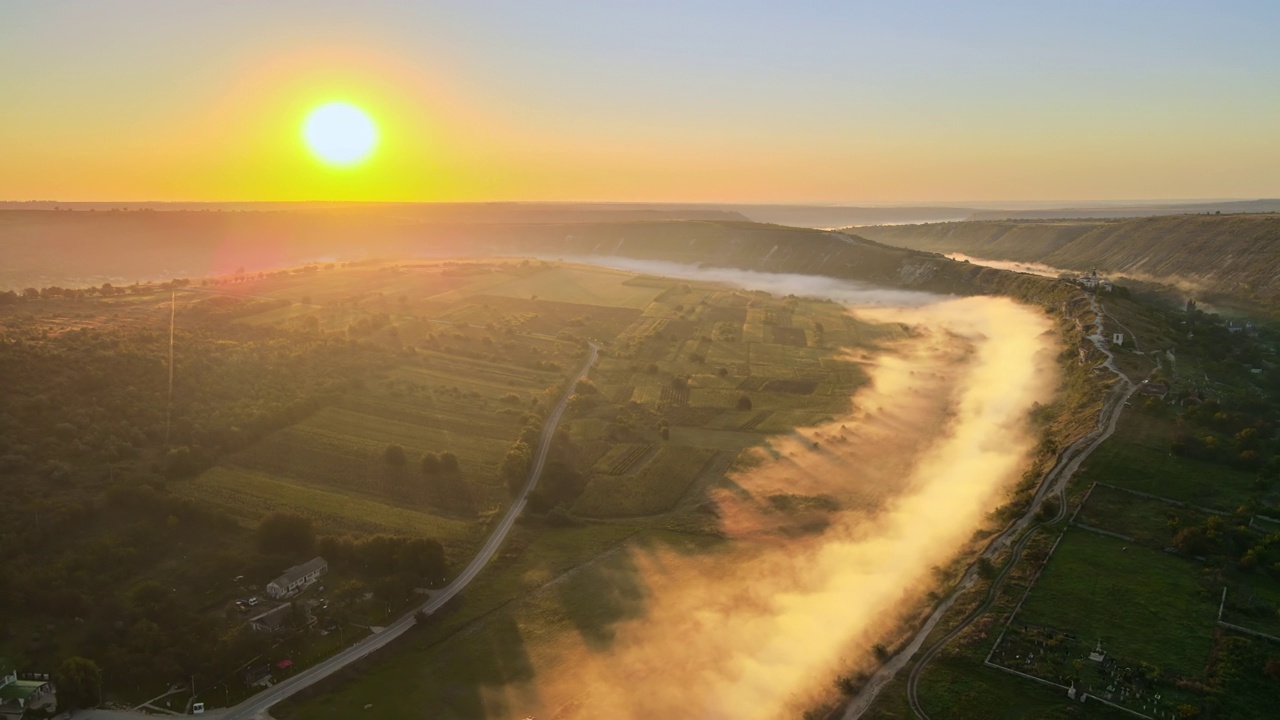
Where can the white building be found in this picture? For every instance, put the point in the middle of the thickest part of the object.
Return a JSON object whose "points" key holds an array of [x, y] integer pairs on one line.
{"points": [[297, 578]]}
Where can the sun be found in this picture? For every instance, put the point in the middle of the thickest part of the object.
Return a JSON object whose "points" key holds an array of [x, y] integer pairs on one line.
{"points": [[340, 133]]}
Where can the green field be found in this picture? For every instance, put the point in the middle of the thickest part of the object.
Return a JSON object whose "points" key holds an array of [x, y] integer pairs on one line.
{"points": [[578, 285], [573, 586], [1143, 605], [655, 488], [1146, 520], [1138, 457], [249, 496], [957, 689]]}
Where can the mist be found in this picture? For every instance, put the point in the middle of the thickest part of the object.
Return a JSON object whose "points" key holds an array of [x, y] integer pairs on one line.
{"points": [[932, 443]]}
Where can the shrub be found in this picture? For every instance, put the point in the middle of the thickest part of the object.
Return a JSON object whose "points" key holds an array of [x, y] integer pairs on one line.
{"points": [[395, 456]]}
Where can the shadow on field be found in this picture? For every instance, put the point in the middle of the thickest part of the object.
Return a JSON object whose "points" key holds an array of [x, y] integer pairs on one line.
{"points": [[598, 596], [498, 678]]}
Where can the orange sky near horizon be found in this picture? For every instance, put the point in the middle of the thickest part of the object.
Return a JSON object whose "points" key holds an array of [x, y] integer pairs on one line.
{"points": [[143, 101]]}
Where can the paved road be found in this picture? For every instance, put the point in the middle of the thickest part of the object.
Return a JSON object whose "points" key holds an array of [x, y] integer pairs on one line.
{"points": [[257, 706], [1055, 482]]}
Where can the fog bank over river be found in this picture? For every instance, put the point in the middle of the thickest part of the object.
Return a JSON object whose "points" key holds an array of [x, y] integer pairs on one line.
{"points": [[757, 629]]}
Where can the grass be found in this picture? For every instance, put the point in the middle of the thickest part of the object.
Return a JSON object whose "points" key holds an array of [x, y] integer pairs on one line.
{"points": [[572, 585], [1143, 519], [579, 285], [698, 437], [1137, 457], [1143, 604], [249, 496], [656, 488], [1253, 601], [959, 690]]}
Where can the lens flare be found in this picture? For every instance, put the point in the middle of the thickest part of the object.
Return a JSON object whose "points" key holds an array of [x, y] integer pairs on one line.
{"points": [[340, 133]]}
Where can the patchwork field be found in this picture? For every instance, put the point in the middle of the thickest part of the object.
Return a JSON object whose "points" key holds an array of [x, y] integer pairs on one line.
{"points": [[1118, 583], [692, 378], [692, 375], [655, 488]]}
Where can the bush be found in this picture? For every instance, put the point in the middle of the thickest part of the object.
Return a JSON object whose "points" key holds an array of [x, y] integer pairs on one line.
{"points": [[431, 464], [744, 403], [79, 683], [516, 465], [449, 462], [286, 533], [395, 456]]}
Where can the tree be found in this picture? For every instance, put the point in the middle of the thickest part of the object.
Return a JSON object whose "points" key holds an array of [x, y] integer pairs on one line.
{"points": [[431, 464], [283, 532], [744, 403], [516, 465], [395, 456], [79, 682], [181, 462], [449, 462]]}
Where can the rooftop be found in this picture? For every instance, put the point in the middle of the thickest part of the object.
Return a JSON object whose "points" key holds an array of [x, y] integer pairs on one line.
{"points": [[21, 690], [300, 571]]}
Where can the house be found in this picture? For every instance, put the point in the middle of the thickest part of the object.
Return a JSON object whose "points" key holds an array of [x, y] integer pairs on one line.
{"points": [[271, 620], [1158, 389], [258, 675], [297, 578], [16, 696]]}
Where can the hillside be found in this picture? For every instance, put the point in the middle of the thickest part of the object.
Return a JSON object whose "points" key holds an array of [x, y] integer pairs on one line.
{"points": [[1097, 212], [1230, 257], [75, 249]]}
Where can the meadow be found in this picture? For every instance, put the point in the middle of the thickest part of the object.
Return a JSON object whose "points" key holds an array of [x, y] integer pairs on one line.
{"points": [[1138, 457], [1142, 605]]}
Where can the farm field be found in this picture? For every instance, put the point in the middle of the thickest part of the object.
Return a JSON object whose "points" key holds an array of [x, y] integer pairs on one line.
{"points": [[681, 397], [484, 667], [657, 487], [970, 692], [1138, 457], [481, 349], [1143, 605], [250, 496], [1150, 522]]}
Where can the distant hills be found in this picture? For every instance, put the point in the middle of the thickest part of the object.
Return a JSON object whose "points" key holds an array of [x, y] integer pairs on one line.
{"points": [[1130, 210], [794, 214], [1234, 257], [78, 249]]}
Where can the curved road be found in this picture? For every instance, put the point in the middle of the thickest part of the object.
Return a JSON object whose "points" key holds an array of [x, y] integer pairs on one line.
{"points": [[257, 706], [1055, 482]]}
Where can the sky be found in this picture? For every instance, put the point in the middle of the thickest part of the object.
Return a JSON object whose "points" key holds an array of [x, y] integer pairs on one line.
{"points": [[826, 102]]}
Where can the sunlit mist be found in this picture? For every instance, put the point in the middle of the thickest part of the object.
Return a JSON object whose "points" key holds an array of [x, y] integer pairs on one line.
{"points": [[930, 446]]}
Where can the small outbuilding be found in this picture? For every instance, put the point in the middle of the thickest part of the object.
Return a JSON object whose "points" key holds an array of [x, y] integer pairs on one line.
{"points": [[17, 696]]}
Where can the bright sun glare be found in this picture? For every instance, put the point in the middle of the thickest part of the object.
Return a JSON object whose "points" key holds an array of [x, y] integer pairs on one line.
{"points": [[340, 133]]}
